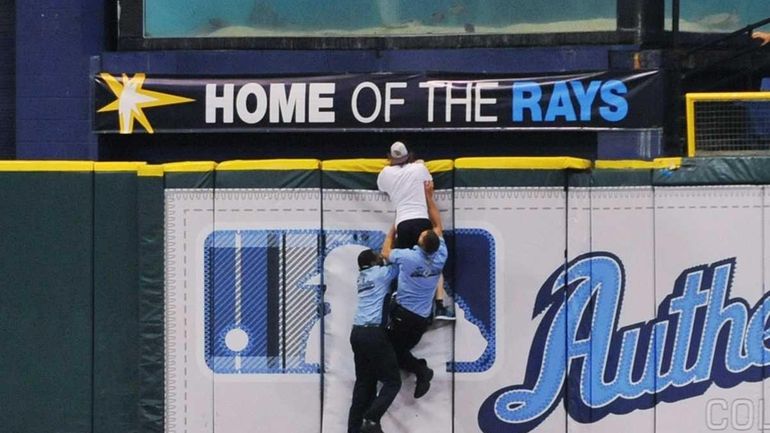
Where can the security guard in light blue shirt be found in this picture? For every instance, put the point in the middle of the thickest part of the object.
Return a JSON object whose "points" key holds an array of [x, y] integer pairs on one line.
{"points": [[419, 271], [418, 276], [373, 289], [373, 354]]}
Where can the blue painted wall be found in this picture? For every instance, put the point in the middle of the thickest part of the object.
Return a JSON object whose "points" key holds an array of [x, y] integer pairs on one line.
{"points": [[53, 44], [502, 60], [7, 80]]}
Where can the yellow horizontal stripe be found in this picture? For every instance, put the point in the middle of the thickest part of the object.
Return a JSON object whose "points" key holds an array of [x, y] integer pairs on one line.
{"points": [[365, 165], [671, 163], [46, 166], [270, 164], [150, 171], [117, 166], [440, 165], [624, 164], [523, 163], [628, 164], [728, 96], [189, 167]]}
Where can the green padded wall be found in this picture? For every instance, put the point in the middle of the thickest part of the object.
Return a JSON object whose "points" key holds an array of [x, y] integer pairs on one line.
{"points": [[116, 300], [46, 298], [149, 210]]}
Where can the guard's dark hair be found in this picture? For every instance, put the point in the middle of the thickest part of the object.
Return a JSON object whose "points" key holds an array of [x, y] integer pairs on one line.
{"points": [[430, 242], [367, 259]]}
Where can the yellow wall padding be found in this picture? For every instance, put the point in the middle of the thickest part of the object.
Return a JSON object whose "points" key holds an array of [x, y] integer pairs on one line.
{"points": [[270, 164], [440, 165], [523, 163], [372, 165], [366, 165], [189, 167], [151, 170], [117, 166], [46, 165], [628, 164]]}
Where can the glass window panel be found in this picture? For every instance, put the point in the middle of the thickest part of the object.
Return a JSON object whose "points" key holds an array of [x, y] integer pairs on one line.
{"points": [[717, 16], [265, 18]]}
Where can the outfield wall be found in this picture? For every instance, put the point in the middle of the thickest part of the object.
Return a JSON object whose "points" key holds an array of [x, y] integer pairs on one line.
{"points": [[200, 297]]}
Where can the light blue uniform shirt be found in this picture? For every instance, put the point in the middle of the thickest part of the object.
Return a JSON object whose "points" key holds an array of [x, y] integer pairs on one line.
{"points": [[373, 285], [417, 277]]}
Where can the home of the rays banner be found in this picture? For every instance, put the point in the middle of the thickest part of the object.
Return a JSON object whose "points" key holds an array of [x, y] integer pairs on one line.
{"points": [[138, 103]]}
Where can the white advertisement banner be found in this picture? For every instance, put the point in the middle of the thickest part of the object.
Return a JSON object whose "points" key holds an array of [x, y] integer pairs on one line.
{"points": [[709, 253], [242, 323], [353, 221], [583, 309], [521, 234]]}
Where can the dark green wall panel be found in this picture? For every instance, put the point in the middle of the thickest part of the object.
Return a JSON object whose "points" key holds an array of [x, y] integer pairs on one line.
{"points": [[751, 170], [46, 303], [116, 303], [509, 177], [150, 205], [268, 179], [190, 179], [348, 180]]}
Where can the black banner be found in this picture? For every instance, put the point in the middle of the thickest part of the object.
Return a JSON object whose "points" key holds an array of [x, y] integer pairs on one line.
{"points": [[599, 100]]}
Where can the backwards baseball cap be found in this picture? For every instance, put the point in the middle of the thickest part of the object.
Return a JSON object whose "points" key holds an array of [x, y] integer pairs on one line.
{"points": [[398, 153]]}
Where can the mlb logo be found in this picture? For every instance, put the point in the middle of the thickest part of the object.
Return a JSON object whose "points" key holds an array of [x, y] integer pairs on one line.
{"points": [[262, 295], [260, 302]]}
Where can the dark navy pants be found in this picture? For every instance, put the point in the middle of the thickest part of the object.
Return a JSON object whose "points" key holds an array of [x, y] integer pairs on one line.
{"points": [[375, 362], [405, 331]]}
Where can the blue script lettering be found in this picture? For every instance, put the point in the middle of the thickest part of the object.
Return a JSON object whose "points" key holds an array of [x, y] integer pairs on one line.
{"points": [[700, 336]]}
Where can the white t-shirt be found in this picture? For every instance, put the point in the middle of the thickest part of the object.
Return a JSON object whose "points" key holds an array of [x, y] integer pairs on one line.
{"points": [[404, 185]]}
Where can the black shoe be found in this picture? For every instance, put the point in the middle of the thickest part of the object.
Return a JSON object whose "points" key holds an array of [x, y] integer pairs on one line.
{"points": [[423, 381], [369, 426]]}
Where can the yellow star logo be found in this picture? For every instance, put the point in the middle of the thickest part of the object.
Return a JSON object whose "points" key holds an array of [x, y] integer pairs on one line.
{"points": [[132, 99]]}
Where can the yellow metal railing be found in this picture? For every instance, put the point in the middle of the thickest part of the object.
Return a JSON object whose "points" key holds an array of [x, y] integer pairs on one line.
{"points": [[693, 99]]}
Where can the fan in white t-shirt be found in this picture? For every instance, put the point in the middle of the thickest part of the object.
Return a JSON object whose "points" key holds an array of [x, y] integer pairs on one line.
{"points": [[403, 180]]}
